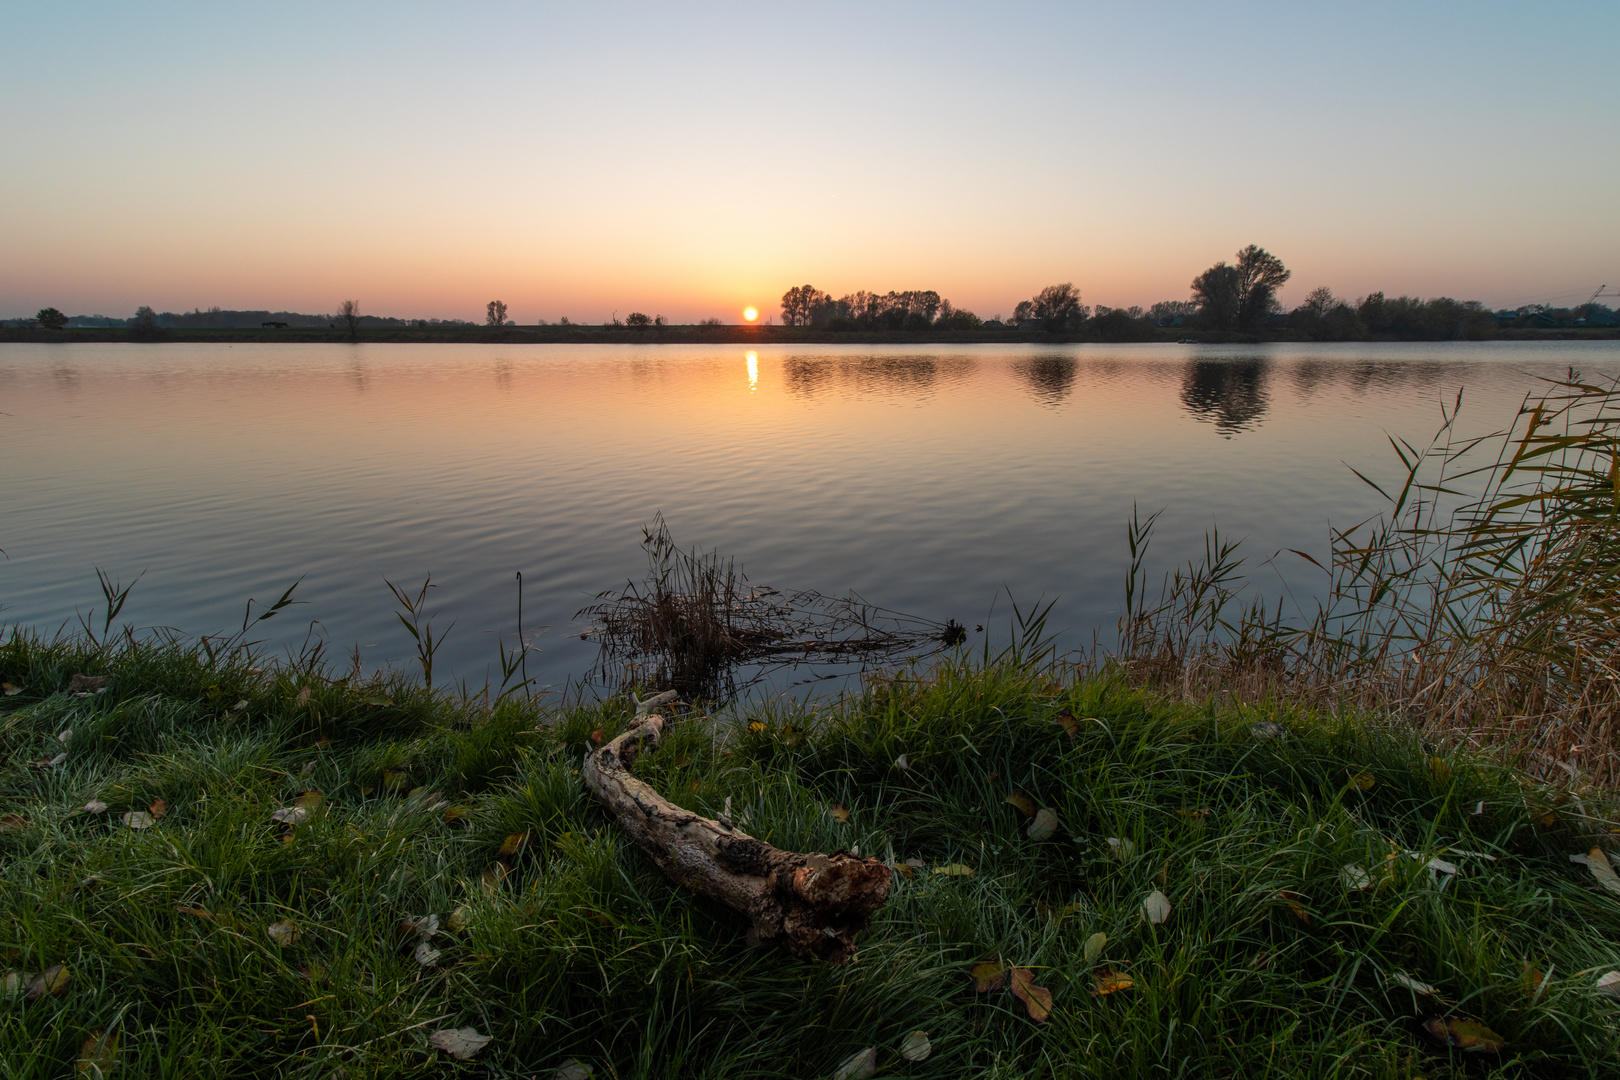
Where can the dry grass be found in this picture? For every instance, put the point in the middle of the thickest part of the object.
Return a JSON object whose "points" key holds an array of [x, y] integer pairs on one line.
{"points": [[1481, 606]]}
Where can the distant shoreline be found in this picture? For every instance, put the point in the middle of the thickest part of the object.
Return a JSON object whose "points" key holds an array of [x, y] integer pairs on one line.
{"points": [[727, 335]]}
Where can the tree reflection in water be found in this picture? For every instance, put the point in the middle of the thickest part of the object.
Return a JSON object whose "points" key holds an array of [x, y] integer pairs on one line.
{"points": [[1051, 378], [1231, 394]]}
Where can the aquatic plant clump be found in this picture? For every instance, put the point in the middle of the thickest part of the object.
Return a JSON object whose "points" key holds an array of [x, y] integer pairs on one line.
{"points": [[696, 622]]}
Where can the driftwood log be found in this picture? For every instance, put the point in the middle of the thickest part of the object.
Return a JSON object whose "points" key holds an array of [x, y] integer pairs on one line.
{"points": [[812, 905]]}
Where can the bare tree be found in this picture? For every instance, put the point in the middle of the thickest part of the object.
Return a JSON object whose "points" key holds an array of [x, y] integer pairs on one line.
{"points": [[496, 313], [1319, 301], [349, 312]]}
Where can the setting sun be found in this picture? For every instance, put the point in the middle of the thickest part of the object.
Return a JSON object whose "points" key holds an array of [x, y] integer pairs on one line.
{"points": [[750, 313]]}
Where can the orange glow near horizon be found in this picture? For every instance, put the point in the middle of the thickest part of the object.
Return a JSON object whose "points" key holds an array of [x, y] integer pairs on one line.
{"points": [[750, 313]]}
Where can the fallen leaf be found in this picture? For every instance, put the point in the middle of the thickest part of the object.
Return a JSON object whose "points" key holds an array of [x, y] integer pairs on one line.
{"points": [[988, 975], [1044, 825], [496, 874], [459, 1043], [756, 726], [98, 1055], [195, 912], [426, 954], [1067, 720], [138, 819], [1479, 808], [12, 983], [283, 932], [50, 982], [1362, 780], [597, 736], [1023, 803], [1094, 946], [64, 736], [1156, 907], [1467, 1035], [87, 682], [424, 926], [459, 919], [1608, 985], [916, 1047], [158, 808], [910, 874], [1266, 729], [1123, 848], [396, 780], [1200, 813], [512, 845], [240, 705], [955, 869], [1436, 867], [902, 764], [573, 1069], [302, 698], [290, 815], [1037, 999], [379, 699], [1532, 981], [862, 1066], [13, 822], [1440, 770], [1400, 978], [1598, 863], [309, 800], [11, 689], [455, 814], [49, 762], [838, 812], [1549, 820], [1111, 981], [1354, 877], [94, 806], [1296, 904]]}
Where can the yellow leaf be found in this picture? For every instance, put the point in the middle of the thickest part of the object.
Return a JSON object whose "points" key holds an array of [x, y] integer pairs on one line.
{"points": [[1598, 863], [756, 726], [98, 1055], [955, 870], [1470, 1036], [379, 699], [1111, 981], [1440, 770], [50, 982], [459, 919], [456, 813], [1200, 813], [1362, 780], [512, 845], [988, 975], [1023, 803], [1548, 820], [1532, 980], [1037, 999], [1094, 946], [309, 800], [838, 812]]}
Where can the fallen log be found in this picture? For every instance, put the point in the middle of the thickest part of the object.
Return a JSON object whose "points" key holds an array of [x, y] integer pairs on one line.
{"points": [[812, 905]]}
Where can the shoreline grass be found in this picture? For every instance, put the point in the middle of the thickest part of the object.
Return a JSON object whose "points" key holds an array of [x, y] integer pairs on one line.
{"points": [[583, 951]]}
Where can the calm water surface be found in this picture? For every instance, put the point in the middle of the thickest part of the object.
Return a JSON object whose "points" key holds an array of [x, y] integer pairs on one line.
{"points": [[929, 480]]}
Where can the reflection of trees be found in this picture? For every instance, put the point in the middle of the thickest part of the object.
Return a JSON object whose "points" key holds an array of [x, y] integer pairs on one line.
{"points": [[1050, 377], [911, 375], [1231, 394]]}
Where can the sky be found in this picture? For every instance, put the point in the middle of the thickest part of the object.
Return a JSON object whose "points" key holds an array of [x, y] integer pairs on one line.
{"points": [[691, 159]]}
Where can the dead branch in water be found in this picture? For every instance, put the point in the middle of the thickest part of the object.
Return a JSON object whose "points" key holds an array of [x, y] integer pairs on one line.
{"points": [[696, 620], [812, 905]]}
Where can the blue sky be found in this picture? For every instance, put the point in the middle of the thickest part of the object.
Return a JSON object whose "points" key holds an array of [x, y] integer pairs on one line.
{"points": [[577, 159]]}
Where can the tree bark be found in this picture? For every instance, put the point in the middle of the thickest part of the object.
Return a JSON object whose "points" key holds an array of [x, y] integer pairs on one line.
{"points": [[812, 905]]}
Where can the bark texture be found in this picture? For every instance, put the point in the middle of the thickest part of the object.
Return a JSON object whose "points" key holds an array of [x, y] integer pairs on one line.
{"points": [[813, 905]]}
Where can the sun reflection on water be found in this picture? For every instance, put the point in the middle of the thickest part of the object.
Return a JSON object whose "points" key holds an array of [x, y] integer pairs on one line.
{"points": [[753, 371]]}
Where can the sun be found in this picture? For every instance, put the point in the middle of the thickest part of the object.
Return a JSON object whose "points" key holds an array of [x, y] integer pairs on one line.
{"points": [[750, 313]]}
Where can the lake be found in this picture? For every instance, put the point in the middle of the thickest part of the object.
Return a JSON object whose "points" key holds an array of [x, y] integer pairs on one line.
{"points": [[935, 480]]}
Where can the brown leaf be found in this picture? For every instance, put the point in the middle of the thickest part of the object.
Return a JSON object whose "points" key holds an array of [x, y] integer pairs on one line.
{"points": [[1037, 999], [1470, 1036], [98, 1055], [157, 809], [324, 742], [81, 683], [1066, 719], [906, 870], [1532, 980], [838, 812], [1022, 803], [1202, 812], [195, 912], [460, 1043], [1549, 820], [1296, 904], [988, 975], [50, 982], [1111, 981], [455, 814], [496, 874], [597, 736], [13, 822], [512, 845]]}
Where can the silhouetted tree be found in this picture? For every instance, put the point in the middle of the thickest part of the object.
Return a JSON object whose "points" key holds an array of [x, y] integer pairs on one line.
{"points": [[800, 303], [51, 319], [1241, 296], [349, 313], [495, 313], [1172, 312], [1058, 307], [638, 320], [1219, 296], [1318, 301], [1231, 394]]}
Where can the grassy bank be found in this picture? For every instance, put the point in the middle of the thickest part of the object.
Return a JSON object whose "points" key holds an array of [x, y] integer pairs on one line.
{"points": [[221, 941]]}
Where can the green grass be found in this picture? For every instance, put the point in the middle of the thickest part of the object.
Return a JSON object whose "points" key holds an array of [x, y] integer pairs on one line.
{"points": [[586, 952]]}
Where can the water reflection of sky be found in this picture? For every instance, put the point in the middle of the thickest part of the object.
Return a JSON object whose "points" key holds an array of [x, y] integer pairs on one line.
{"points": [[929, 481]]}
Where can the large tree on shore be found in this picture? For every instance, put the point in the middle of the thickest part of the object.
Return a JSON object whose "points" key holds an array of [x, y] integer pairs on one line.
{"points": [[1240, 297], [800, 303], [349, 313]]}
